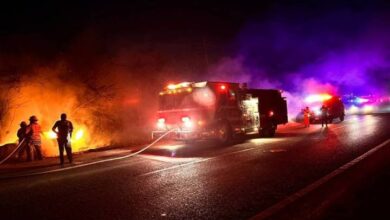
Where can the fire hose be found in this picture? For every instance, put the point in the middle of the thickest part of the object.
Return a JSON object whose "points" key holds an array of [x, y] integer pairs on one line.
{"points": [[97, 162], [12, 153]]}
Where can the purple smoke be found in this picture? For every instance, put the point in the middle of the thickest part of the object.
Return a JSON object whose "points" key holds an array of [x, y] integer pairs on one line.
{"points": [[339, 51]]}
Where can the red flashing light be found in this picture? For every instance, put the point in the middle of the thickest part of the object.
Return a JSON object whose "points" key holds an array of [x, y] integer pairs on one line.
{"points": [[222, 87], [271, 113]]}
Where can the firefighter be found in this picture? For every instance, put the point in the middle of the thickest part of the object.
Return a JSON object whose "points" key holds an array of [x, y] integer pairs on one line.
{"points": [[324, 116], [33, 133], [306, 117], [23, 138], [64, 128]]}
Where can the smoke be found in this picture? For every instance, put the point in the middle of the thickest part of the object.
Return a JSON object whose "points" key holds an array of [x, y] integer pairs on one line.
{"points": [[312, 50], [109, 97]]}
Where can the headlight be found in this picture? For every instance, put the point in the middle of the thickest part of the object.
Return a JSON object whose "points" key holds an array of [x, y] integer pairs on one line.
{"points": [[186, 122], [161, 123]]}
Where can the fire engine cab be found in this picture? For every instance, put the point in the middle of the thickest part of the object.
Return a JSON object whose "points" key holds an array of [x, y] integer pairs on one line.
{"points": [[221, 110]]}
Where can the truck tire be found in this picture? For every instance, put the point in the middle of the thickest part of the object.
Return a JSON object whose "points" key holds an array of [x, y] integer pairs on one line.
{"points": [[268, 131], [342, 118], [224, 132]]}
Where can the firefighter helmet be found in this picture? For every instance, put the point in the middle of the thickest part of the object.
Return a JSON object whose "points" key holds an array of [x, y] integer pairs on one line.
{"points": [[33, 118]]}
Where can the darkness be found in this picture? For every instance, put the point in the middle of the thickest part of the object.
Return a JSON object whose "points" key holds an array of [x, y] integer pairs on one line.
{"points": [[48, 29], [276, 38]]}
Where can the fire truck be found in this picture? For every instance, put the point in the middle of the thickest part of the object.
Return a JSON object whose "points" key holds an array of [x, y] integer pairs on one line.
{"points": [[218, 110]]}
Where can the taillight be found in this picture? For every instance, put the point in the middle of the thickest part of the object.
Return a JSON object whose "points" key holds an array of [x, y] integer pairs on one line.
{"points": [[222, 88], [271, 113], [186, 121]]}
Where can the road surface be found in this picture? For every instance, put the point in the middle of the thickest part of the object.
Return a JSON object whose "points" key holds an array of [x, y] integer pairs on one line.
{"points": [[195, 181]]}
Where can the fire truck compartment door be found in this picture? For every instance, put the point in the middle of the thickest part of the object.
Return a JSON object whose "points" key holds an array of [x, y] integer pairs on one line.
{"points": [[250, 110]]}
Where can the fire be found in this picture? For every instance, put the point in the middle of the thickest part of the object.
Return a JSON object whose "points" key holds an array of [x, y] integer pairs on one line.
{"points": [[89, 114], [79, 134], [50, 135]]}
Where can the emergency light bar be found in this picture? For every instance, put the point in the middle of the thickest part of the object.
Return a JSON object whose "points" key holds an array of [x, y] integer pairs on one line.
{"points": [[317, 98]]}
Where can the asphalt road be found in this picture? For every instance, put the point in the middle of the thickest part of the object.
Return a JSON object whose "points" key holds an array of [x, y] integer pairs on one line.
{"points": [[195, 181]]}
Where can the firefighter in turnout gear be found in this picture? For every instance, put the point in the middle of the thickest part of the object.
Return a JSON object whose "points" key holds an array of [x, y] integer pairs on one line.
{"points": [[306, 117], [324, 115], [33, 133], [23, 141], [64, 128]]}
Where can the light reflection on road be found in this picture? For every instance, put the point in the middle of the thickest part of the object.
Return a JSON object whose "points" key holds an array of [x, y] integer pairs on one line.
{"points": [[360, 127]]}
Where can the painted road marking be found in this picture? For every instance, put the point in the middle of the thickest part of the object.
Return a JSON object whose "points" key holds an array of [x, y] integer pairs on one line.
{"points": [[197, 161], [310, 188]]}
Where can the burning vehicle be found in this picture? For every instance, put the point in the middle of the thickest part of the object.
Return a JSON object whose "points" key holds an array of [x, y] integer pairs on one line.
{"points": [[221, 110], [334, 104]]}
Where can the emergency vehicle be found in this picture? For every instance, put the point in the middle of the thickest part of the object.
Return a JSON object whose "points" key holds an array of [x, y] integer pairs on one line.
{"points": [[221, 110], [334, 104]]}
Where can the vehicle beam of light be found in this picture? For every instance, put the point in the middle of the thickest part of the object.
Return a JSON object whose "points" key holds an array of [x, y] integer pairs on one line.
{"points": [[361, 100], [317, 98], [353, 110], [368, 109]]}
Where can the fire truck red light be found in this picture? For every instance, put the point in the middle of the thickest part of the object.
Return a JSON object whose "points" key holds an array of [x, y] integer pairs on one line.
{"points": [[222, 87]]}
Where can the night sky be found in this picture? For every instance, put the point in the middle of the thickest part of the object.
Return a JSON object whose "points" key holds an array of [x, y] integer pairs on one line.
{"points": [[268, 43]]}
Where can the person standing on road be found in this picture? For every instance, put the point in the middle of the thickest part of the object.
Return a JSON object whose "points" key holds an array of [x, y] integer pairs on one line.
{"points": [[64, 128], [33, 133], [324, 116], [306, 117], [23, 141]]}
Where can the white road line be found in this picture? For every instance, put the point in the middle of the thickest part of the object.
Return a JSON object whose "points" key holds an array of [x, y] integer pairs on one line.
{"points": [[310, 188], [197, 161]]}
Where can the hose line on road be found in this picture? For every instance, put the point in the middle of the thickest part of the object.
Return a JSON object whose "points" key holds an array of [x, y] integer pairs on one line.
{"points": [[95, 162], [12, 153]]}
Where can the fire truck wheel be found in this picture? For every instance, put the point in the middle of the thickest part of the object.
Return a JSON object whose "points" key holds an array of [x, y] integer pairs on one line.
{"points": [[224, 132], [268, 132], [342, 118]]}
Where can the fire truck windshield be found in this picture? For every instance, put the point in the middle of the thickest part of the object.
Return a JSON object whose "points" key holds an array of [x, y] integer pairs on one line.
{"points": [[177, 101]]}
